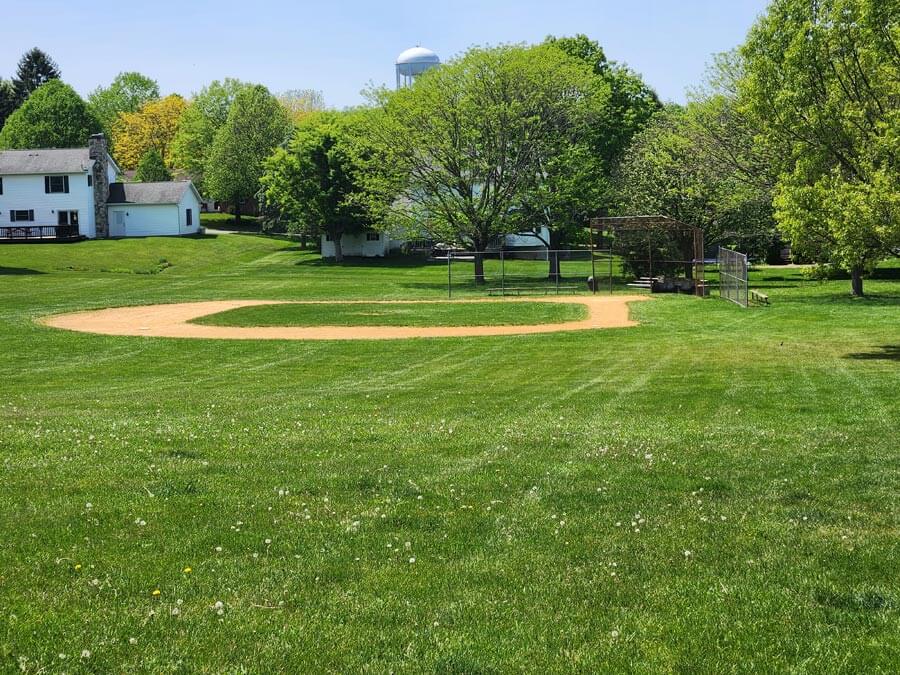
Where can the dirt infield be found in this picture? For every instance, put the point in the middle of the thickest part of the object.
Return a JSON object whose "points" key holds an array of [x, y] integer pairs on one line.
{"points": [[172, 321]]}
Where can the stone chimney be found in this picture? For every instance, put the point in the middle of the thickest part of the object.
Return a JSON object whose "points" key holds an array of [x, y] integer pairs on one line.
{"points": [[97, 149]]}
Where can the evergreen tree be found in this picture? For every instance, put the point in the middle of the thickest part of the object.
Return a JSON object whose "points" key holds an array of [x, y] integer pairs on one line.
{"points": [[35, 68], [152, 168], [8, 100]]}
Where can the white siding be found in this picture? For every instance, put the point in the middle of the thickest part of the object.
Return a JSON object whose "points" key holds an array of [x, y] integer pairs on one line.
{"points": [[526, 241], [26, 192], [358, 245], [189, 201], [151, 220], [144, 220]]}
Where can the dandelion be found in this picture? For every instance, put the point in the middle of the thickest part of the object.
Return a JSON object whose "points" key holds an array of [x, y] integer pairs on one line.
{"points": [[155, 592], [132, 640], [88, 506], [85, 653], [614, 634], [687, 554], [187, 570], [412, 560], [268, 541], [218, 549], [78, 566]]}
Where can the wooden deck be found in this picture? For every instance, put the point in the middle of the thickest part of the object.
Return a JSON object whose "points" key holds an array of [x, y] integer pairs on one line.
{"points": [[27, 234]]}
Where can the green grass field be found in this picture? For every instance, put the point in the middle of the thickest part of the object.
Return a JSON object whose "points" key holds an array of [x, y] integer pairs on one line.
{"points": [[712, 491], [399, 314]]}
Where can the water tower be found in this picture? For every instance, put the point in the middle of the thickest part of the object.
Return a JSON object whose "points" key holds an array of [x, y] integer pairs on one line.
{"points": [[412, 63]]}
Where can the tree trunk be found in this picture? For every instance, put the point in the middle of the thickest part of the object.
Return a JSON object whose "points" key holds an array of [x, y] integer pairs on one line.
{"points": [[237, 212], [553, 259], [479, 266], [856, 282], [338, 250]]}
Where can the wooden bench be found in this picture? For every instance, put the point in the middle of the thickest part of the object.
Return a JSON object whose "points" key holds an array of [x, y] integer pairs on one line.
{"points": [[759, 298], [530, 290]]}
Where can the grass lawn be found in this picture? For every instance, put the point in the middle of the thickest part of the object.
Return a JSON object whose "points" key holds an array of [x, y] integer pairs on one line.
{"points": [[418, 314], [712, 491]]}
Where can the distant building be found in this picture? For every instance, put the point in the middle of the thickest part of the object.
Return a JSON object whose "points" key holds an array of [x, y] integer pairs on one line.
{"points": [[412, 63], [72, 193]]}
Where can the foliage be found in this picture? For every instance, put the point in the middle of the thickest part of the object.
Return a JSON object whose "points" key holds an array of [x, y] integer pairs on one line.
{"points": [[823, 83], [35, 69], [152, 168], [256, 125], [152, 127], [54, 116], [204, 116], [468, 140], [8, 100], [314, 184], [127, 94], [299, 103]]}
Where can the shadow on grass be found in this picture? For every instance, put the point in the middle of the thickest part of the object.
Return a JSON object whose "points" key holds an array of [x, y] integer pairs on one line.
{"points": [[885, 353], [15, 271], [391, 262]]}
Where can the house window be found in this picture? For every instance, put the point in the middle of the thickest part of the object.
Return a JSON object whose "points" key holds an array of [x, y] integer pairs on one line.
{"points": [[67, 217], [190, 217], [120, 217], [373, 236], [1, 186], [21, 216], [90, 180], [56, 184]]}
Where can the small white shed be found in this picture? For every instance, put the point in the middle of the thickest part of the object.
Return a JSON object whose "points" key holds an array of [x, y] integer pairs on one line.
{"points": [[153, 209]]}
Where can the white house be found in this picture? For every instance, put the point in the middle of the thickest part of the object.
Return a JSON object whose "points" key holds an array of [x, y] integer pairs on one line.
{"points": [[153, 209], [70, 193], [369, 244]]}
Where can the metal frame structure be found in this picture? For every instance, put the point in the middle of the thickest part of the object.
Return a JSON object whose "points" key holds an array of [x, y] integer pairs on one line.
{"points": [[665, 224], [733, 281]]}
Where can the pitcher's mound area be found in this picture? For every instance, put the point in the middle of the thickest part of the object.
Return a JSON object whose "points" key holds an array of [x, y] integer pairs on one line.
{"points": [[172, 321]]}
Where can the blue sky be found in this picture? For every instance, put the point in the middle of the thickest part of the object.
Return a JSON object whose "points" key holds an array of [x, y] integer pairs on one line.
{"points": [[338, 46]]}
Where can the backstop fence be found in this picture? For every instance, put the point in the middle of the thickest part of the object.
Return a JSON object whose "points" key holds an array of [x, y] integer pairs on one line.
{"points": [[733, 283]]}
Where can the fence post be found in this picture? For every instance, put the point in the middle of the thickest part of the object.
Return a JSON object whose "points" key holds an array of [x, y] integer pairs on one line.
{"points": [[449, 274], [502, 274]]}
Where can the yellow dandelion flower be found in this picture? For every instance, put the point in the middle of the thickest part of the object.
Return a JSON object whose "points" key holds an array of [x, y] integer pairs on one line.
{"points": [[156, 591], [188, 570], [78, 566]]}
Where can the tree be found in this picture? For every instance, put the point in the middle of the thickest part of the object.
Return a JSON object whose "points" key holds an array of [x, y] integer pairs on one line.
{"points": [[299, 103], [54, 116], [8, 100], [822, 82], [152, 168], [202, 118], [315, 183], [153, 126], [256, 125], [35, 68], [468, 140], [127, 94]]}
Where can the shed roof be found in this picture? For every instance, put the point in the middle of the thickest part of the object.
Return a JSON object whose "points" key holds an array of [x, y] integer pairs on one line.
{"points": [[51, 160], [168, 192]]}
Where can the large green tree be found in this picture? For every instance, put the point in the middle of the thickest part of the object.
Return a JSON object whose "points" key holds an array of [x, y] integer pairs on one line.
{"points": [[127, 93], [205, 115], [823, 83], [315, 183], [256, 125], [54, 116], [469, 140], [35, 68]]}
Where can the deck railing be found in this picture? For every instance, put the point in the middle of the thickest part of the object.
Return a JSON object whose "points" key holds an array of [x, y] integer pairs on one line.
{"points": [[26, 233]]}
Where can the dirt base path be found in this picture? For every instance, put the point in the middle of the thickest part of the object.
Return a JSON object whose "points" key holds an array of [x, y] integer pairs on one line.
{"points": [[172, 321]]}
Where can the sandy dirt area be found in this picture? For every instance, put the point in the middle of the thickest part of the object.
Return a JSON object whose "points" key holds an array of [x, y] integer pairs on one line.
{"points": [[171, 320]]}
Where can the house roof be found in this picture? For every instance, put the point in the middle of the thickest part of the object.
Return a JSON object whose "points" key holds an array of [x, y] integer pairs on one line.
{"points": [[169, 192], [68, 160]]}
